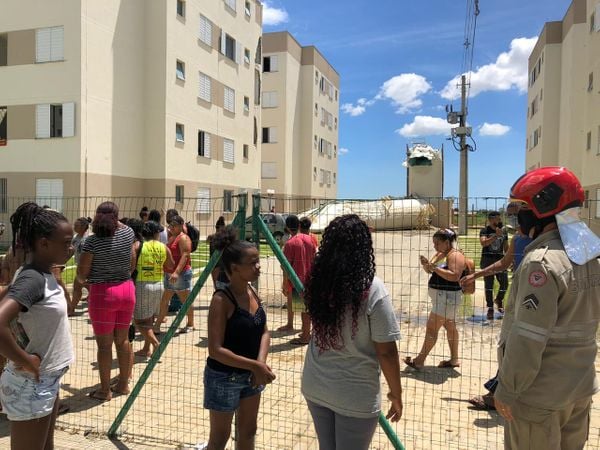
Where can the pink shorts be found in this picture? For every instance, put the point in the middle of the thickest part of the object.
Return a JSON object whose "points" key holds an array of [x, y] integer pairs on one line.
{"points": [[111, 306]]}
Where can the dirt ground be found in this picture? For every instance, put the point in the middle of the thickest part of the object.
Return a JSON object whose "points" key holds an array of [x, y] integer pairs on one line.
{"points": [[168, 412]]}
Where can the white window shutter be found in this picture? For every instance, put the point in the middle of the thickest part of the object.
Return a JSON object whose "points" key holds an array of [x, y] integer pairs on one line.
{"points": [[207, 145], [42, 121], [274, 63], [49, 191], [222, 43], [68, 119], [203, 201], [273, 134], [43, 38], [228, 151], [269, 170], [57, 44], [597, 22]]}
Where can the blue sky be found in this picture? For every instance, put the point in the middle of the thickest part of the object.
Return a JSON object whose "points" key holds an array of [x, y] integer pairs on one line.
{"points": [[398, 57]]}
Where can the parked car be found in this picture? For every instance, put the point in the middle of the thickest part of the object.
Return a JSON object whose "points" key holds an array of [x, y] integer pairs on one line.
{"points": [[274, 222]]}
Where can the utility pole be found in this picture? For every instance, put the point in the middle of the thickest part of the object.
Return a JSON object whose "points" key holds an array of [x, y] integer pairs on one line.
{"points": [[462, 131]]}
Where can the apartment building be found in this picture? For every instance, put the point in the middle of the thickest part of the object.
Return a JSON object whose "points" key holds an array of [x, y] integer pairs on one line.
{"points": [[130, 98], [300, 114], [563, 115]]}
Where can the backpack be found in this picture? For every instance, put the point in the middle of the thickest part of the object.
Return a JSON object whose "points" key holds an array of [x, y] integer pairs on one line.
{"points": [[194, 235], [469, 288]]}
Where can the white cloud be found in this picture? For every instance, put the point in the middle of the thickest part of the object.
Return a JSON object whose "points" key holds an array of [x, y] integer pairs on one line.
{"points": [[404, 91], [274, 16], [353, 110], [343, 151], [425, 126], [493, 129], [508, 72]]}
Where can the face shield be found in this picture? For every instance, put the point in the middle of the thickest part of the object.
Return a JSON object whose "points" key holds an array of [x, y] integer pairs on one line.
{"points": [[581, 243]]}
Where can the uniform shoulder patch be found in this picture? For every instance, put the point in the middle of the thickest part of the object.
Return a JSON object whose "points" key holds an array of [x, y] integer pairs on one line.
{"points": [[538, 254], [537, 278], [531, 302]]}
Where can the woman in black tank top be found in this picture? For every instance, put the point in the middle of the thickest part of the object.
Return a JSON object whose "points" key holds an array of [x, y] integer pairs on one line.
{"points": [[446, 296], [238, 342]]}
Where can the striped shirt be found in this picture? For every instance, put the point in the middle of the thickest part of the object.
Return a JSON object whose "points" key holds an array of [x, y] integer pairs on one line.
{"points": [[112, 256]]}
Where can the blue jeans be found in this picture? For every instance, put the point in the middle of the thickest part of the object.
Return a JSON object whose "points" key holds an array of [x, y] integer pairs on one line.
{"points": [[224, 390], [23, 398]]}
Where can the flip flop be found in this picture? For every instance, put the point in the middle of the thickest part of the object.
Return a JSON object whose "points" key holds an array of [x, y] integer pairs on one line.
{"points": [[94, 395], [298, 341], [447, 365], [482, 403], [411, 363]]}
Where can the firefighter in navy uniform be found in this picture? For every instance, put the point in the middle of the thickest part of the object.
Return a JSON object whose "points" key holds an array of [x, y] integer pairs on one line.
{"points": [[547, 345]]}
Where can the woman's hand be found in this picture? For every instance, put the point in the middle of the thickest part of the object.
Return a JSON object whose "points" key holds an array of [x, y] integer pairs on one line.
{"points": [[396, 407], [262, 374], [32, 365], [173, 278], [467, 280]]}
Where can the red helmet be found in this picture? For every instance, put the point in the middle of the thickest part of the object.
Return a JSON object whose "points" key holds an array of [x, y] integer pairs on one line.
{"points": [[548, 190]]}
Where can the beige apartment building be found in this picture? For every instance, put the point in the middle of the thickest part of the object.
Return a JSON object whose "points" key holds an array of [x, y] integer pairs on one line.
{"points": [[300, 113], [563, 116], [119, 98]]}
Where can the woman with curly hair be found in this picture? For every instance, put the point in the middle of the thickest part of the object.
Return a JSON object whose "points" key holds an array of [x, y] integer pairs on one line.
{"points": [[353, 339]]}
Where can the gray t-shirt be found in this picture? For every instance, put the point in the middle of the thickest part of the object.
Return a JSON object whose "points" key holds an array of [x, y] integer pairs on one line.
{"points": [[347, 380], [42, 326]]}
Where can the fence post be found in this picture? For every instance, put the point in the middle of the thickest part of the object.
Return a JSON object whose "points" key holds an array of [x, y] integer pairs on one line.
{"points": [[256, 216], [240, 220]]}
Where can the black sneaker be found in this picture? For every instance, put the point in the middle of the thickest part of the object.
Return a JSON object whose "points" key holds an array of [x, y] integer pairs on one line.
{"points": [[490, 314]]}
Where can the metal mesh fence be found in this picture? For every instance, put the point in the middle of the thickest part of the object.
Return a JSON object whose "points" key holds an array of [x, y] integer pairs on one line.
{"points": [[168, 412]]}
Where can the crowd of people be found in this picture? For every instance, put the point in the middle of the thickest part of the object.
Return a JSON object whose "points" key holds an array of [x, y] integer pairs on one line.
{"points": [[131, 269]]}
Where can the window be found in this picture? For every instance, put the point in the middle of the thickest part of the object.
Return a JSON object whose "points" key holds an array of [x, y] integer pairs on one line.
{"points": [[258, 56], [203, 201], [180, 70], [229, 99], [314, 174], [598, 146], [231, 4], [55, 120], [334, 178], [3, 125], [335, 123], [247, 56], [255, 137], [270, 63], [269, 135], [335, 151], [326, 88], [49, 191], [537, 135], [246, 103], [588, 145], [227, 201], [316, 143], [321, 176], [204, 87], [205, 34], [316, 77], [3, 195], [246, 151], [203, 144], [179, 132], [590, 82], [592, 21], [534, 107], [49, 44], [270, 99], [247, 9], [228, 151], [181, 8], [597, 204], [586, 199], [541, 94], [179, 193], [316, 109], [229, 47], [269, 170], [336, 95]]}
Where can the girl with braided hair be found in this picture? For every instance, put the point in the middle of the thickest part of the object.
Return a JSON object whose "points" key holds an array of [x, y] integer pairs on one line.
{"points": [[34, 329], [353, 339]]}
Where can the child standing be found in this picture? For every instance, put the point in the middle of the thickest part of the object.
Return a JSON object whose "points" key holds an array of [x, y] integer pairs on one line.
{"points": [[238, 343], [80, 227], [34, 329]]}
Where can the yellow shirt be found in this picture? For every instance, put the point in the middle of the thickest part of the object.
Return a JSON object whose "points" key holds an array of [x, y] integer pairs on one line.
{"points": [[151, 260]]}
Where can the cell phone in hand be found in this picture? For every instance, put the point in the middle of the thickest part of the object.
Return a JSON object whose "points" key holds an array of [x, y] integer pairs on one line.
{"points": [[423, 260]]}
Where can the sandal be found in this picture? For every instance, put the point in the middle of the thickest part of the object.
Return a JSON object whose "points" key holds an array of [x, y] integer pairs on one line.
{"points": [[411, 363], [95, 395], [483, 402], [448, 365], [298, 341]]}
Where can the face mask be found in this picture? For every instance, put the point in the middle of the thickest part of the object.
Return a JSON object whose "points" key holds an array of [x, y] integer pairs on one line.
{"points": [[512, 221], [527, 220]]}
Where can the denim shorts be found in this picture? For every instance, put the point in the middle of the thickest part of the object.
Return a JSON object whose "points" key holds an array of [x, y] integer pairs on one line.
{"points": [[184, 282], [224, 390], [23, 398]]}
